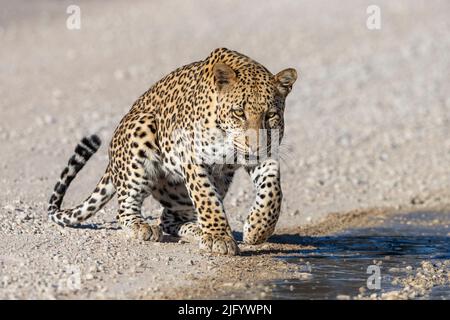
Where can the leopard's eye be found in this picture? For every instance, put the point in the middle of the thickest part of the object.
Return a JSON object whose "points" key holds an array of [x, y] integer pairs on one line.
{"points": [[238, 113], [272, 115]]}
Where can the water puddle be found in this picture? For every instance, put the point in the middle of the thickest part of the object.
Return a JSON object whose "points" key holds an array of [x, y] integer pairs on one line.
{"points": [[338, 264]]}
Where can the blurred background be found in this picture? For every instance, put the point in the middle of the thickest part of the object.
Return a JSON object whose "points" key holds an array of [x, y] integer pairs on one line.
{"points": [[367, 121]]}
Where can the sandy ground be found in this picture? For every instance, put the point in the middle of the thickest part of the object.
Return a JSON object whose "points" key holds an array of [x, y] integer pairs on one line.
{"points": [[368, 126]]}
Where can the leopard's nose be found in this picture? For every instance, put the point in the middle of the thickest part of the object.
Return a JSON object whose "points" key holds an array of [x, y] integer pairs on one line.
{"points": [[252, 140]]}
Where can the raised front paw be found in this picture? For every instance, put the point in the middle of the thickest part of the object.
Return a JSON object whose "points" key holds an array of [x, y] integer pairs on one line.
{"points": [[146, 232], [224, 245], [254, 234]]}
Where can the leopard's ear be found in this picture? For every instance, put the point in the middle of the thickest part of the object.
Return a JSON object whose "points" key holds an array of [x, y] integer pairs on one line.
{"points": [[285, 79], [224, 76]]}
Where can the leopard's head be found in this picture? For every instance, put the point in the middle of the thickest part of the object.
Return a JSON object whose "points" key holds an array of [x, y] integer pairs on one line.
{"points": [[251, 103]]}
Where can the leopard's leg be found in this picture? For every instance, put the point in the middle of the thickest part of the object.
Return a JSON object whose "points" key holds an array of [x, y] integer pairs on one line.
{"points": [[180, 223], [178, 217], [216, 233], [263, 216], [135, 166], [181, 219], [224, 178], [130, 218]]}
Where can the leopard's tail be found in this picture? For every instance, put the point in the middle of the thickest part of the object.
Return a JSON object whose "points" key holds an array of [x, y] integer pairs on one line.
{"points": [[103, 192]]}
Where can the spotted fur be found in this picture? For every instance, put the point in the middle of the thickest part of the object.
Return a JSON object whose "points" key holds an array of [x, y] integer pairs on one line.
{"points": [[155, 151]]}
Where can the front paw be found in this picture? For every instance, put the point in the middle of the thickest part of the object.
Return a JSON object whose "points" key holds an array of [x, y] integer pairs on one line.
{"points": [[223, 245], [256, 234]]}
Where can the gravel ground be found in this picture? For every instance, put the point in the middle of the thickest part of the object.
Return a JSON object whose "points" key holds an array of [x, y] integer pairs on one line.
{"points": [[368, 125]]}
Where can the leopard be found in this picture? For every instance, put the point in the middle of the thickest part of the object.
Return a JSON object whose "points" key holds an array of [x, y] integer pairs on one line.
{"points": [[166, 147]]}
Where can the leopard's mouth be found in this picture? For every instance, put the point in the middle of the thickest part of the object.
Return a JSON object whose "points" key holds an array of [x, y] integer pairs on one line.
{"points": [[248, 148], [258, 154]]}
